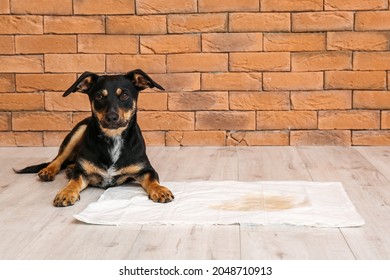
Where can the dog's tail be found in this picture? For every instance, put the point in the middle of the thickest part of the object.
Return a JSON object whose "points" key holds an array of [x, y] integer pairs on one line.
{"points": [[32, 168]]}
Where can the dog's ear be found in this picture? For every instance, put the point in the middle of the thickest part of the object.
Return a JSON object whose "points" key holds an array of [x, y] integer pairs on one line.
{"points": [[82, 84], [141, 80]]}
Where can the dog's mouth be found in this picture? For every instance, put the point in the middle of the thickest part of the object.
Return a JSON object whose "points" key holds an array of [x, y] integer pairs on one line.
{"points": [[113, 122], [113, 125]]}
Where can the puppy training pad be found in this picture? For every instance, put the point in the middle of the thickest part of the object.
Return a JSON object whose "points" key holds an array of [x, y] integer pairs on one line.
{"points": [[228, 202]]}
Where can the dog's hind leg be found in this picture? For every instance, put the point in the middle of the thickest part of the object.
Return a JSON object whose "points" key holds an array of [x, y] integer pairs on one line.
{"points": [[66, 152]]}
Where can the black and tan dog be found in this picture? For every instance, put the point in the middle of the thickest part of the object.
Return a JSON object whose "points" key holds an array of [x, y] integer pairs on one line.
{"points": [[107, 148]]}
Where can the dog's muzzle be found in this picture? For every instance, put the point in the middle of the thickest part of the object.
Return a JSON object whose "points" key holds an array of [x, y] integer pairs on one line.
{"points": [[112, 121]]}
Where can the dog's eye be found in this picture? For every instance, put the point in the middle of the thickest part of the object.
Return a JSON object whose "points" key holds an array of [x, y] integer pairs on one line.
{"points": [[124, 96], [99, 97]]}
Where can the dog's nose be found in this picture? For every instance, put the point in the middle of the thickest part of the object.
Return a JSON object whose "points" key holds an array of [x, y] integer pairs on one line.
{"points": [[112, 117]]}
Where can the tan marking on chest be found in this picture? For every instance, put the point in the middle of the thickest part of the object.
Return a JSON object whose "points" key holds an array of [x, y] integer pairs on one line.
{"points": [[105, 177]]}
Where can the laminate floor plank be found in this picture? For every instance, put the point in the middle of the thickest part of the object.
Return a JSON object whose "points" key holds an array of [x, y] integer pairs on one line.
{"points": [[287, 242], [378, 157], [372, 240], [341, 164], [271, 163], [203, 242]]}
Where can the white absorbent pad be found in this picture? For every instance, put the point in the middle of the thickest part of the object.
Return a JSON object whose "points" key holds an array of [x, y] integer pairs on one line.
{"points": [[228, 202]]}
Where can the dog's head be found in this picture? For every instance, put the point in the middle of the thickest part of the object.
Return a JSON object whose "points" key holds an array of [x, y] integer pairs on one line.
{"points": [[113, 98]]}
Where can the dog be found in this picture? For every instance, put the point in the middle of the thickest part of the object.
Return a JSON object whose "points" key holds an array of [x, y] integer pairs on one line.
{"points": [[106, 149]]}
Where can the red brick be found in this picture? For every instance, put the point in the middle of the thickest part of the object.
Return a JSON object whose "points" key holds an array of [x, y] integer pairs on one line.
{"points": [[7, 139], [28, 139], [197, 62], [263, 22], [7, 82], [259, 100], [36, 44], [354, 5], [74, 24], [106, 7], [355, 80], [271, 120], [153, 101], [195, 138], [294, 42], [137, 25], [293, 81], [178, 81], [166, 120], [44, 82], [197, 23], [5, 121], [7, 45], [21, 64], [79, 116], [228, 5], [154, 138], [225, 120], [371, 138], [385, 120], [231, 81], [379, 20], [257, 138], [259, 61], [166, 6], [371, 99], [21, 24], [21, 101], [107, 44], [21, 139], [321, 100], [35, 121], [388, 80], [4, 7], [320, 61], [42, 7], [320, 138], [293, 6], [322, 21], [371, 61], [232, 42], [168, 44], [125, 63], [194, 101], [352, 119], [54, 101], [74, 62], [53, 139], [358, 41]]}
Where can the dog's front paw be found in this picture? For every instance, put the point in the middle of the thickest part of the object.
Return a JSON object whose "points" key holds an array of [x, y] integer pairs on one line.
{"points": [[160, 194], [47, 174], [66, 198]]}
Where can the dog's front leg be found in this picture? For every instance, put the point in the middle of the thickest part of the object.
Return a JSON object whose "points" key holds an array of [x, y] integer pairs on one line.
{"points": [[71, 193], [156, 192]]}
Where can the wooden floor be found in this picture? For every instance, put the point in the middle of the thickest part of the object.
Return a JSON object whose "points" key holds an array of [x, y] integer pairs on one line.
{"points": [[31, 228]]}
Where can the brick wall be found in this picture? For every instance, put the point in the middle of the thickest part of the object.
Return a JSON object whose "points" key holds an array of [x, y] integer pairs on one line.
{"points": [[237, 72]]}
